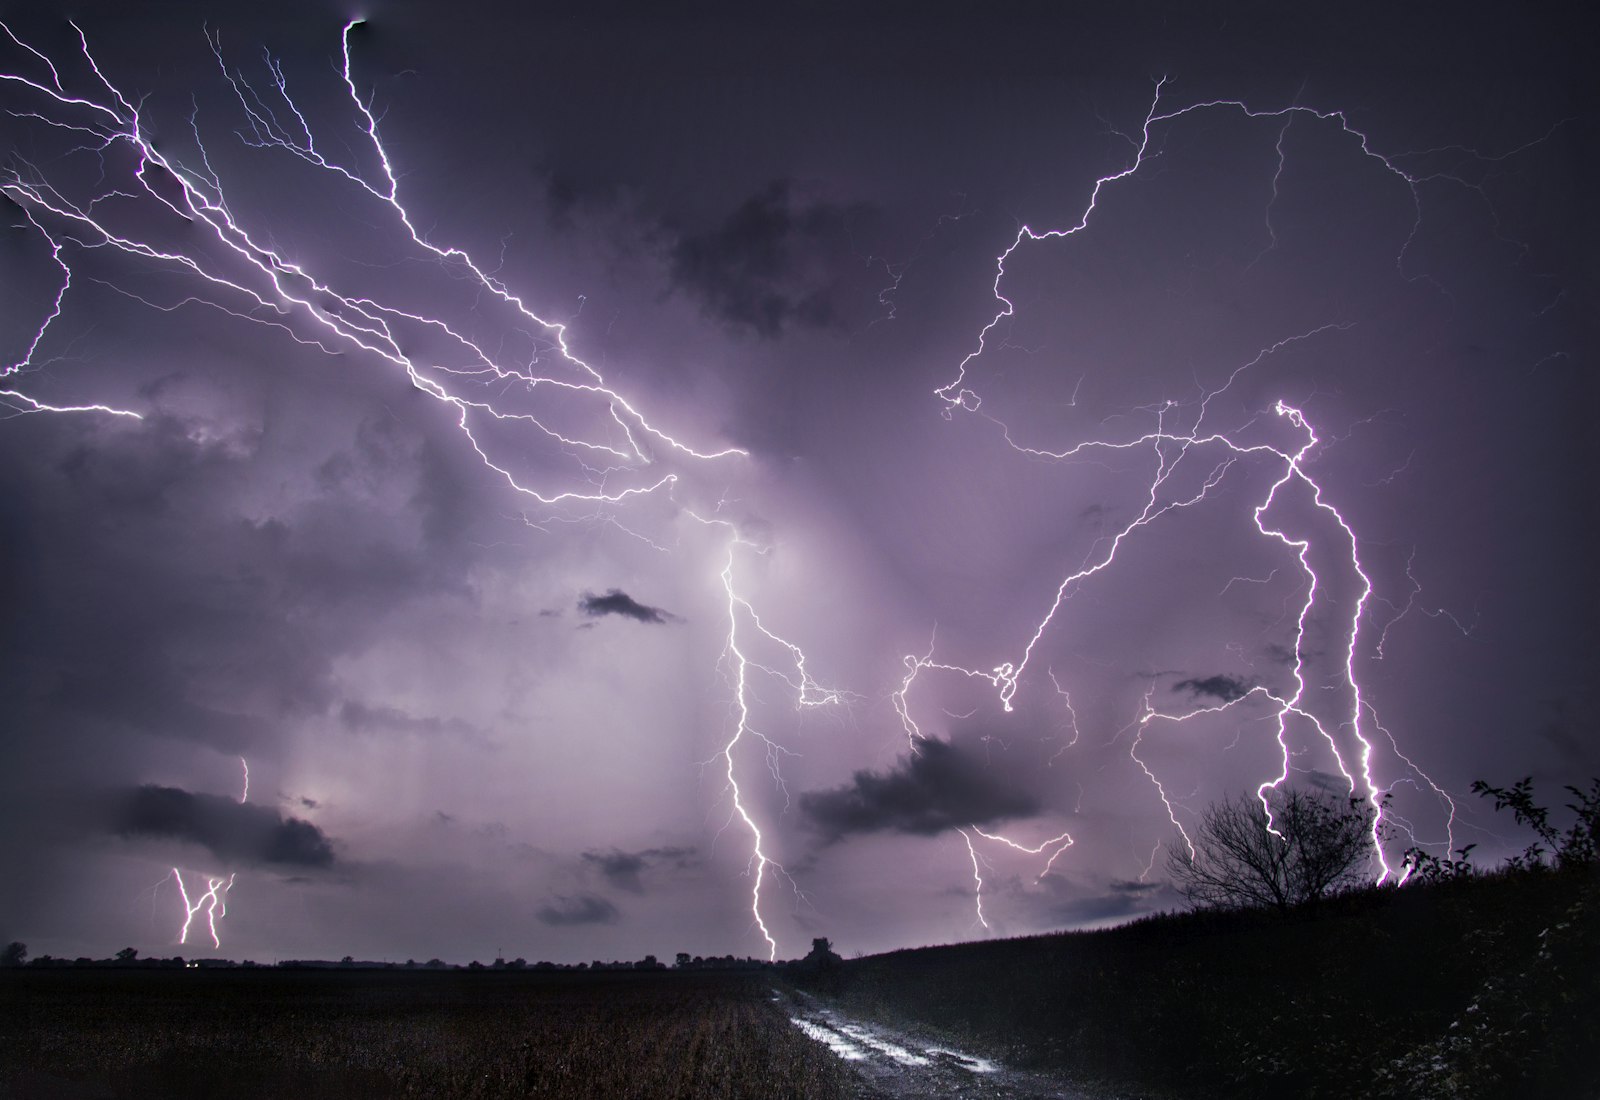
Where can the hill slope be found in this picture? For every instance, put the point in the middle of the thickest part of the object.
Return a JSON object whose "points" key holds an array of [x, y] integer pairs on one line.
{"points": [[1475, 988]]}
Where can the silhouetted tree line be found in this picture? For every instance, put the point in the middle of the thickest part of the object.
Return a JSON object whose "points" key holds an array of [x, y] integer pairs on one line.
{"points": [[15, 954], [1284, 849]]}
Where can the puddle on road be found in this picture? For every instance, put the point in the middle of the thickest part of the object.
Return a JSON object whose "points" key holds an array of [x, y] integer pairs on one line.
{"points": [[837, 1043], [899, 1066], [965, 1061], [883, 1046]]}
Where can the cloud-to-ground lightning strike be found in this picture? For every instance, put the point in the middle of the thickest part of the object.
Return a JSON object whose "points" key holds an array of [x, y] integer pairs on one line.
{"points": [[977, 879], [1174, 439], [807, 693], [214, 901]]}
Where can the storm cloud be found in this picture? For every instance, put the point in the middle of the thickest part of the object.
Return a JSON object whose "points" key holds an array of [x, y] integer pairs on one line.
{"points": [[234, 832], [618, 602], [1224, 688], [303, 557], [773, 263], [623, 870], [939, 787]]}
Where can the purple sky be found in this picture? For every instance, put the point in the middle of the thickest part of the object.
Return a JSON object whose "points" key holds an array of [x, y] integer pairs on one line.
{"points": [[477, 721]]}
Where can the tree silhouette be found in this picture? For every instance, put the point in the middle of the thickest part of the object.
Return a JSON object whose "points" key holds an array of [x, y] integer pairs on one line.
{"points": [[1315, 845], [821, 957], [15, 954], [1580, 845]]}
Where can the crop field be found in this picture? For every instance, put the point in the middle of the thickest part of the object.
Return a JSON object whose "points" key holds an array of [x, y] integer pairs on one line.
{"points": [[364, 1034]]}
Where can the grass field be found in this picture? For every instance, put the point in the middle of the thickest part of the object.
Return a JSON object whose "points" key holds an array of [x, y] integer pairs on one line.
{"points": [[239, 1034]]}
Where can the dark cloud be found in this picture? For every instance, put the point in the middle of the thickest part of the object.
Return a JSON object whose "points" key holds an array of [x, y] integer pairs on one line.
{"points": [[1127, 886], [623, 869], [583, 909], [774, 263], [618, 602], [234, 832], [1222, 687], [937, 788]]}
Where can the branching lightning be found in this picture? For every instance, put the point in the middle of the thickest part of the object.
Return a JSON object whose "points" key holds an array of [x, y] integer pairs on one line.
{"points": [[244, 277], [1059, 844], [214, 901], [138, 196], [745, 628], [1179, 438]]}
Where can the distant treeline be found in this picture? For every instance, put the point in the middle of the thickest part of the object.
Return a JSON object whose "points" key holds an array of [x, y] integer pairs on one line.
{"points": [[128, 959]]}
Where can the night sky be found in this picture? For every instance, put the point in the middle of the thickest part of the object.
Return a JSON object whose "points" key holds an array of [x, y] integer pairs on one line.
{"points": [[492, 649]]}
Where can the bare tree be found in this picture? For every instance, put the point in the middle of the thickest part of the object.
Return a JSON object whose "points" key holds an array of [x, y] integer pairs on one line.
{"points": [[1317, 845]]}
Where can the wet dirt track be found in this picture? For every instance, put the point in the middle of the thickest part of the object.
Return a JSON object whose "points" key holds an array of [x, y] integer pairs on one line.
{"points": [[894, 1065]]}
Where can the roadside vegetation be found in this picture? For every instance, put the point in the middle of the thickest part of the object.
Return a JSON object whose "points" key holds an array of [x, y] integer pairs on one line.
{"points": [[1464, 983]]}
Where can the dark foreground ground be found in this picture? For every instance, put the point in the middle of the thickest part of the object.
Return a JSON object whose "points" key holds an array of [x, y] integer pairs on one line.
{"points": [[241, 1035], [1483, 988], [1478, 989]]}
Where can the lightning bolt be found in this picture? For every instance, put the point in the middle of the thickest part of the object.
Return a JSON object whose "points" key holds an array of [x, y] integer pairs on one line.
{"points": [[246, 278], [137, 197], [1177, 440], [214, 901], [977, 879], [743, 622], [1059, 843]]}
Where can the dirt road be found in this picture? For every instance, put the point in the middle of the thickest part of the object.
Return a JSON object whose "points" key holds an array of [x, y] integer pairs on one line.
{"points": [[895, 1065]]}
